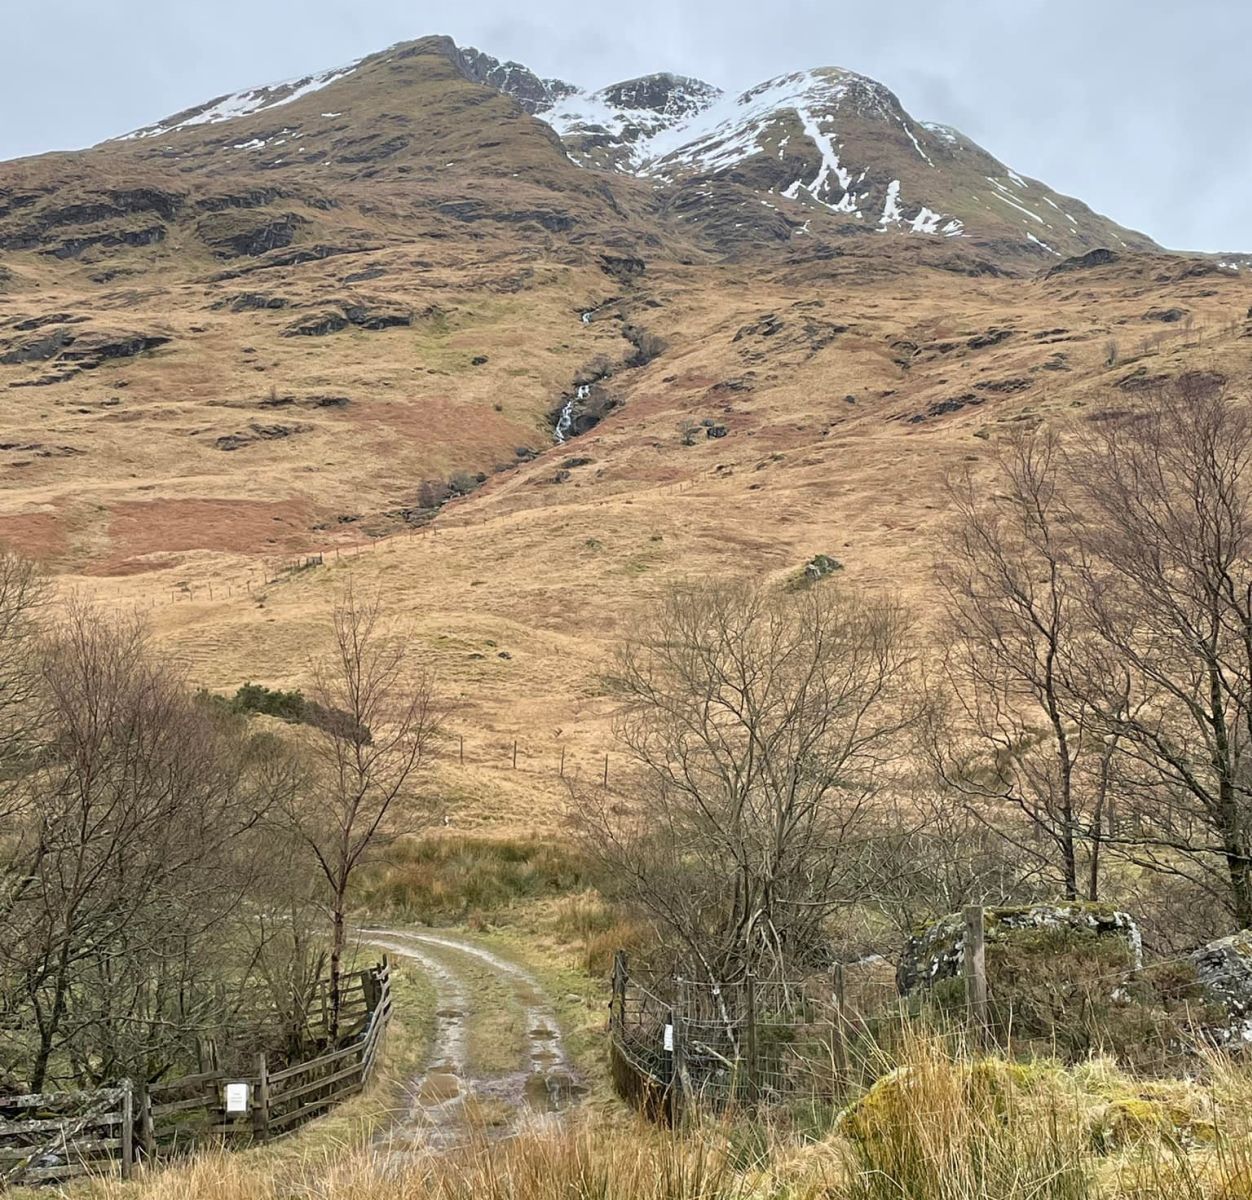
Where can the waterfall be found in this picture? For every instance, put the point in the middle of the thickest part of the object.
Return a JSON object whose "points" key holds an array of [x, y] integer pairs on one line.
{"points": [[587, 316], [564, 422]]}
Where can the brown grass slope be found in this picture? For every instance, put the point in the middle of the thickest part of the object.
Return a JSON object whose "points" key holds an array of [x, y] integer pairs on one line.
{"points": [[305, 354]]}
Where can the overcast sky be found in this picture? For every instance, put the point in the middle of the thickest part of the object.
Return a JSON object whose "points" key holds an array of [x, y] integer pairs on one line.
{"points": [[1142, 108]]}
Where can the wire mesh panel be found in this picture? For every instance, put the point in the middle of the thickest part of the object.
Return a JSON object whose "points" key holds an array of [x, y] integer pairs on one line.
{"points": [[749, 1042]]}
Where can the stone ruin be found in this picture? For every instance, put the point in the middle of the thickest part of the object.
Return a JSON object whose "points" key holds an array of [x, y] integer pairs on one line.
{"points": [[1219, 974]]}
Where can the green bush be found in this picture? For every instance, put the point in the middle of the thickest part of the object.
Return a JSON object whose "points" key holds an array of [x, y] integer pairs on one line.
{"points": [[293, 707]]}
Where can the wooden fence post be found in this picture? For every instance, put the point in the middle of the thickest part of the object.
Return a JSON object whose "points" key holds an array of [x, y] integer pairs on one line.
{"points": [[751, 1065], [261, 1104], [515, 754], [561, 770], [462, 736], [147, 1130], [677, 1063], [975, 962], [606, 770], [128, 1129], [617, 1005], [839, 1038], [667, 1052]]}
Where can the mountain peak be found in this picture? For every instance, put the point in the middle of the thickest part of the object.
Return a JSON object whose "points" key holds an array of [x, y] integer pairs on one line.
{"points": [[514, 79]]}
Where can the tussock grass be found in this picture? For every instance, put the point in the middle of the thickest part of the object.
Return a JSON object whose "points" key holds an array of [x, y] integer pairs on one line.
{"points": [[464, 877], [940, 1126]]}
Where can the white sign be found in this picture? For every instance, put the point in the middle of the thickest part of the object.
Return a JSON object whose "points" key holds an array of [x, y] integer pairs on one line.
{"points": [[236, 1097], [669, 1037]]}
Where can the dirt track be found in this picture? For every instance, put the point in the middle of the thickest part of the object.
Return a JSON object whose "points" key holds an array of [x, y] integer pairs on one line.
{"points": [[498, 1063]]}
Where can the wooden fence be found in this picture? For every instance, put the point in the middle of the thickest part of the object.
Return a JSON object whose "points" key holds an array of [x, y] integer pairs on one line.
{"points": [[53, 1137]]}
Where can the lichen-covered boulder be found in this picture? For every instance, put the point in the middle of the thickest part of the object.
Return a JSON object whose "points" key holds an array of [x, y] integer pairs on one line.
{"points": [[937, 953], [1224, 973]]}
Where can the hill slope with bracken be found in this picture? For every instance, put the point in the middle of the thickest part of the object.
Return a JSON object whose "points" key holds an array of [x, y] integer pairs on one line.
{"points": [[587, 342]]}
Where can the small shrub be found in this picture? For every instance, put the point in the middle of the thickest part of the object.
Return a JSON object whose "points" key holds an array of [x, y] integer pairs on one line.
{"points": [[294, 708]]}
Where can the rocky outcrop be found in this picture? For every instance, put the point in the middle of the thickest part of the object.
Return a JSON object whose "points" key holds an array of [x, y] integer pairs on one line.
{"points": [[941, 408], [372, 315], [1224, 972], [252, 302], [248, 198], [993, 337], [40, 450], [379, 316], [248, 234], [622, 267], [820, 566], [318, 324], [259, 433], [316, 401], [1083, 262], [293, 256], [552, 220], [95, 348], [802, 336], [107, 239], [57, 318], [38, 349], [528, 89]]}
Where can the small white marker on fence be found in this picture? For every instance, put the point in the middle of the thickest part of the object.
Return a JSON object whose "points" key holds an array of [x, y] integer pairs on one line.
{"points": [[236, 1097], [669, 1038]]}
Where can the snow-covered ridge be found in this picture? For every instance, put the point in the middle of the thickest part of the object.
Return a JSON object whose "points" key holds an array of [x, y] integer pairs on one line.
{"points": [[632, 115], [682, 127], [243, 104]]}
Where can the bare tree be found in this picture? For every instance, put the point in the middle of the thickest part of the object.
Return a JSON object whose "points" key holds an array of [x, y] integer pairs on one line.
{"points": [[381, 723], [1169, 588], [763, 726], [135, 810], [1020, 734], [23, 597]]}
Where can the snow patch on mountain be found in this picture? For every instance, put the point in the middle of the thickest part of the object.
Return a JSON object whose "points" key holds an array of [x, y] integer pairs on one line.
{"points": [[633, 114], [830, 166], [243, 104]]}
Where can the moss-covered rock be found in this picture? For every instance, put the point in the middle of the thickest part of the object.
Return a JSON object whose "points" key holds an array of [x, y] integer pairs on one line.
{"points": [[1094, 1104]]}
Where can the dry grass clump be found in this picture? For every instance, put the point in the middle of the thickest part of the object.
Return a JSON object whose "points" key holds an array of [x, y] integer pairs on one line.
{"points": [[625, 1165], [944, 1126], [939, 1126]]}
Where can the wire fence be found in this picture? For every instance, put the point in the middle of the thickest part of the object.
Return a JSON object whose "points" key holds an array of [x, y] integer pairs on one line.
{"points": [[753, 1042], [677, 1044], [262, 572]]}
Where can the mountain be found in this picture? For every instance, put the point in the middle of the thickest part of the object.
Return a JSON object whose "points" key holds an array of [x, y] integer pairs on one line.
{"points": [[572, 344], [820, 153]]}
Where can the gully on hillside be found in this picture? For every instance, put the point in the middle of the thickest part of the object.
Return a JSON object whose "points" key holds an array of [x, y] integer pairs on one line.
{"points": [[589, 402]]}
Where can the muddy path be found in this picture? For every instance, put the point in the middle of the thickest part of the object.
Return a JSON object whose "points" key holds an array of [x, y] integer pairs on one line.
{"points": [[498, 1064]]}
